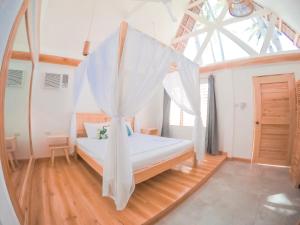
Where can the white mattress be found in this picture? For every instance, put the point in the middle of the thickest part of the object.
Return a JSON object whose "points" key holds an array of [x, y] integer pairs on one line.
{"points": [[146, 150]]}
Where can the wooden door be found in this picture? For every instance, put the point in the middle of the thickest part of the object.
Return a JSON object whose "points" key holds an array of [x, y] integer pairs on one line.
{"points": [[295, 161], [274, 122]]}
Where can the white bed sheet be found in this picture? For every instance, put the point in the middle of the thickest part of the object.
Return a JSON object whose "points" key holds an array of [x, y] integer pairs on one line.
{"points": [[146, 150]]}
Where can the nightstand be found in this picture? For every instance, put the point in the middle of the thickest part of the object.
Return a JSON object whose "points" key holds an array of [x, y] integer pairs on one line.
{"points": [[150, 131], [58, 143]]}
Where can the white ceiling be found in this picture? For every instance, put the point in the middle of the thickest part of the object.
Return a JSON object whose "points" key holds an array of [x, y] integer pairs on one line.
{"points": [[64, 23]]}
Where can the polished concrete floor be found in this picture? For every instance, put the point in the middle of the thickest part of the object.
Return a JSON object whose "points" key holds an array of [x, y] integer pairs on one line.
{"points": [[241, 194]]}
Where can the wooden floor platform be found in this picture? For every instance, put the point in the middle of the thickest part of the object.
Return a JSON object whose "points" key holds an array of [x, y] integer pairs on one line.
{"points": [[70, 194]]}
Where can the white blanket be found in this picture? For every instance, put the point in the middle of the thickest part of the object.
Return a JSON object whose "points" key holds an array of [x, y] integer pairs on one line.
{"points": [[146, 150]]}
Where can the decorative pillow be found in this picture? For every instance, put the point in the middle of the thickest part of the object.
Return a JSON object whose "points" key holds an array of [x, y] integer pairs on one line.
{"points": [[92, 129], [102, 133], [129, 129]]}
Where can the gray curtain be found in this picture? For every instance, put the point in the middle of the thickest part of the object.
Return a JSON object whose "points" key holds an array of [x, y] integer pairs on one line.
{"points": [[166, 115], [211, 139]]}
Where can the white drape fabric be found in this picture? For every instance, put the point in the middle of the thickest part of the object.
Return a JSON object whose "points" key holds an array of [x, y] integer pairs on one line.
{"points": [[190, 79], [121, 91], [80, 77], [173, 85], [183, 88]]}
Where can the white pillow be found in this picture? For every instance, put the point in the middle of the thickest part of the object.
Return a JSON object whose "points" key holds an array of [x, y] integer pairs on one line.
{"points": [[93, 128]]}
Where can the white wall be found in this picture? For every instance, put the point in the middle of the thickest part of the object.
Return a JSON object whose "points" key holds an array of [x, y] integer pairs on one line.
{"points": [[17, 108], [52, 109], [152, 19], [236, 124]]}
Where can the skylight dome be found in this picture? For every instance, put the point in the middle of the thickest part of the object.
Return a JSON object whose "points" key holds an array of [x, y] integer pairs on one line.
{"points": [[218, 36]]}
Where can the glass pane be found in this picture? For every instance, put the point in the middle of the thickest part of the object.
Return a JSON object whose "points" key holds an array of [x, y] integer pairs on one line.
{"points": [[251, 31], [174, 114], [216, 47], [208, 56], [211, 9], [231, 49], [280, 42], [21, 41], [188, 119], [193, 45]]}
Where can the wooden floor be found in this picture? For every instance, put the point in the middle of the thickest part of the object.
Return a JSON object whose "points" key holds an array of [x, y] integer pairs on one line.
{"points": [[18, 176], [70, 194]]}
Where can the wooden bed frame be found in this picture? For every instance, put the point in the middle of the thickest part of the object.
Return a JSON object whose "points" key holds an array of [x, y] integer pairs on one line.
{"points": [[139, 175]]}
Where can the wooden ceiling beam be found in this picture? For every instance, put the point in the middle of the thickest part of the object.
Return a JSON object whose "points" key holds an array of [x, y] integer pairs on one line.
{"points": [[253, 61], [259, 60], [46, 58]]}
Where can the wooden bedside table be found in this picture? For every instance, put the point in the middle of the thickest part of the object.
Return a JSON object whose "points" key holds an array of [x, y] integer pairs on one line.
{"points": [[150, 131], [57, 143]]}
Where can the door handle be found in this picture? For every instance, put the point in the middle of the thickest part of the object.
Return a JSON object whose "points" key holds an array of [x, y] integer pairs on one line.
{"points": [[257, 122]]}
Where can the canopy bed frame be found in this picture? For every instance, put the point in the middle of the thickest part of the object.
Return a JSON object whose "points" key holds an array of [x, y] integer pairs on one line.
{"points": [[122, 77], [139, 175]]}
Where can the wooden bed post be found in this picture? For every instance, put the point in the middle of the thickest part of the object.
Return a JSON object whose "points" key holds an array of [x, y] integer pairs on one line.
{"points": [[122, 38], [75, 152], [195, 161]]}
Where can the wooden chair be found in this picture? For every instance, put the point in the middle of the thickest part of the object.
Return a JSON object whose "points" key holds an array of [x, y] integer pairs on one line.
{"points": [[58, 143], [11, 147]]}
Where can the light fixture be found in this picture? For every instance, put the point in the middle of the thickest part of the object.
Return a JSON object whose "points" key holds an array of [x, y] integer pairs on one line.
{"points": [[86, 46], [240, 8]]}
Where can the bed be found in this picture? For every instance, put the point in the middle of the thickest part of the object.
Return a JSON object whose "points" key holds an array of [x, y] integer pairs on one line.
{"points": [[150, 155]]}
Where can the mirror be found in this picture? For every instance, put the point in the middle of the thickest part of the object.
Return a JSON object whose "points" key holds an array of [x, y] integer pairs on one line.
{"points": [[16, 114]]}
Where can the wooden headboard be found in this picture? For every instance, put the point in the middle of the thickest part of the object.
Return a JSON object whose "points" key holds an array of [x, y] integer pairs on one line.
{"points": [[82, 118]]}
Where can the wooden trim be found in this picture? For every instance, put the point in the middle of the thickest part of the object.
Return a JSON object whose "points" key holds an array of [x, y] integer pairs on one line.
{"points": [[145, 173], [25, 182], [29, 34], [18, 55], [3, 78], [153, 170], [257, 113], [260, 60], [59, 60], [240, 159]]}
